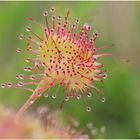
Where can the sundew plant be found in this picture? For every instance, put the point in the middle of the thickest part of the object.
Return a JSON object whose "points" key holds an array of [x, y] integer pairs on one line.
{"points": [[65, 55], [61, 57]]}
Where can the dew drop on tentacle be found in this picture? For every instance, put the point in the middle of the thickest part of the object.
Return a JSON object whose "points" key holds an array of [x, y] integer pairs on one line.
{"points": [[9, 85], [78, 96], [73, 26], [28, 29], [104, 76], [45, 13], [39, 93], [18, 50], [53, 18], [20, 37], [88, 108], [78, 21], [21, 76], [25, 69], [46, 95], [3, 85], [27, 60], [89, 95], [17, 76], [102, 99], [54, 96], [52, 9], [20, 84], [86, 26], [66, 98], [33, 77]]}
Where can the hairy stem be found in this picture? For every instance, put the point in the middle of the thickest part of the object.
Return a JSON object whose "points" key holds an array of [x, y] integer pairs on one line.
{"points": [[36, 94]]}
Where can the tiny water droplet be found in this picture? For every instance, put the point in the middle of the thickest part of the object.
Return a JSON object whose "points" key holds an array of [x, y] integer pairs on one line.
{"points": [[32, 77], [9, 85], [66, 98], [89, 95], [45, 13], [21, 76], [78, 96], [88, 109], [78, 21], [25, 68], [54, 96], [19, 84], [103, 99], [59, 17], [74, 26], [3, 86], [105, 76], [17, 76], [52, 9], [87, 27], [27, 60], [29, 69], [28, 29], [38, 94], [20, 37], [46, 95], [18, 50]]}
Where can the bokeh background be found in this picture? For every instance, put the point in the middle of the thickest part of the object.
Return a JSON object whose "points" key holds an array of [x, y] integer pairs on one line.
{"points": [[118, 23]]}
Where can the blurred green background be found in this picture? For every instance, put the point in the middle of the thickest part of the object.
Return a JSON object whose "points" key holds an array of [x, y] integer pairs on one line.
{"points": [[117, 23]]}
